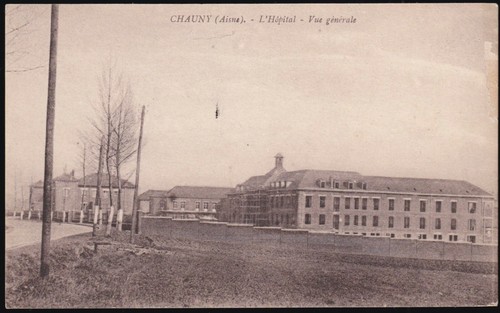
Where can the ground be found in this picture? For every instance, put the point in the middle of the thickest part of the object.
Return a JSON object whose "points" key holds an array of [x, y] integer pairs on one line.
{"points": [[20, 233], [181, 273]]}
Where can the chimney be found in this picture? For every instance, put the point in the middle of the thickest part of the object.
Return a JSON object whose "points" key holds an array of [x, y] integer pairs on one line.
{"points": [[278, 161]]}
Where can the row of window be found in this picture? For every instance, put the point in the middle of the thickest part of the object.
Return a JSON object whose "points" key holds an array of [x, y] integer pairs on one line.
{"points": [[471, 223], [175, 205], [471, 208], [451, 237], [336, 184]]}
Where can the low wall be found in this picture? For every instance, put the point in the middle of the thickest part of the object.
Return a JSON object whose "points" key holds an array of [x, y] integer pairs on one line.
{"points": [[352, 244]]}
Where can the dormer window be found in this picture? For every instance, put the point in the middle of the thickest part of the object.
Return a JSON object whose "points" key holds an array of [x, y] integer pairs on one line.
{"points": [[322, 184], [337, 184], [364, 186], [351, 185]]}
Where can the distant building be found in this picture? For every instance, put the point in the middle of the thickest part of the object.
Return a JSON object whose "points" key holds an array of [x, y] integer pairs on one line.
{"points": [[184, 202], [350, 203], [70, 193], [153, 201]]}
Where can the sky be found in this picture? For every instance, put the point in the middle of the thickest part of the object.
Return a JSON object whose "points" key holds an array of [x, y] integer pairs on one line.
{"points": [[406, 90]]}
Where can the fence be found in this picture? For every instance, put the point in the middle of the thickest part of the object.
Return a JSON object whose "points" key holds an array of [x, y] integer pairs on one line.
{"points": [[353, 244], [73, 217]]}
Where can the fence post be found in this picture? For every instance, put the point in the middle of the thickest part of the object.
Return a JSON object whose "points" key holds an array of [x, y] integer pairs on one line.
{"points": [[81, 216]]}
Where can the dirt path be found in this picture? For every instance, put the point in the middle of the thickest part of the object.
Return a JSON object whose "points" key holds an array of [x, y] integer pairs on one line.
{"points": [[21, 233]]}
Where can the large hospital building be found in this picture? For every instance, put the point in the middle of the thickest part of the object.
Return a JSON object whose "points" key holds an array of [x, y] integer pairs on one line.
{"points": [[351, 203]]}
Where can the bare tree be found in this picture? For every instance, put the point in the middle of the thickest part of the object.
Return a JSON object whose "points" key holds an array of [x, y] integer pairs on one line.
{"points": [[115, 120], [123, 142], [19, 39]]}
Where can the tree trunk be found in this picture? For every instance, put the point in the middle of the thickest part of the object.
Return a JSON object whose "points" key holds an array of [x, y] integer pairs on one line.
{"points": [[119, 216], [97, 203]]}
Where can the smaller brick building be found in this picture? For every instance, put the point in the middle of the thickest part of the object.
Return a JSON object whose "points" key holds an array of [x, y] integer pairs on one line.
{"points": [[71, 194], [184, 202]]}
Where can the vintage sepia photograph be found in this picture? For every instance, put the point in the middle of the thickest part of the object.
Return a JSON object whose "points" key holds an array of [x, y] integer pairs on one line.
{"points": [[251, 155]]}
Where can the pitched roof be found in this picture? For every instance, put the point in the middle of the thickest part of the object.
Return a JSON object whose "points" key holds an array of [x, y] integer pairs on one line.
{"points": [[91, 181], [66, 177], [199, 192], [423, 185], [38, 184], [153, 194], [310, 178]]}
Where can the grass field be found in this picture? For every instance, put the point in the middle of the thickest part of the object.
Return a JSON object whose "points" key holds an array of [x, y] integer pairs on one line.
{"points": [[174, 273]]}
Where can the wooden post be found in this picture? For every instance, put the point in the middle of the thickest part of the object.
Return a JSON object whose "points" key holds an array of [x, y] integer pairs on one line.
{"points": [[136, 190], [49, 144]]}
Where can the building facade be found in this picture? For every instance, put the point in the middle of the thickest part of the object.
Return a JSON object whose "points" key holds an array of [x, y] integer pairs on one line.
{"points": [[71, 194], [184, 202], [350, 203]]}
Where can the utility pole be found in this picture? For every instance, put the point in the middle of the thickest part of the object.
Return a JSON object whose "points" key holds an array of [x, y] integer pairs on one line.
{"points": [[136, 190], [49, 143], [97, 202]]}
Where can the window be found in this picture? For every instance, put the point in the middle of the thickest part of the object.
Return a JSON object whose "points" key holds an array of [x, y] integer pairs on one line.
{"points": [[422, 236], [471, 238], [375, 221], [322, 219], [453, 225], [322, 201], [281, 201], [407, 222], [407, 205], [308, 219], [438, 206], [197, 205], [364, 203], [336, 222], [376, 203], [347, 220], [183, 205], [363, 220], [438, 237], [422, 223], [472, 207], [391, 222], [422, 205], [472, 225], [391, 204], [322, 184], [205, 205], [355, 220], [453, 238], [336, 204], [407, 236], [174, 204], [351, 185], [356, 203], [337, 185], [309, 201], [437, 223], [453, 206], [347, 203], [162, 205], [363, 186]]}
